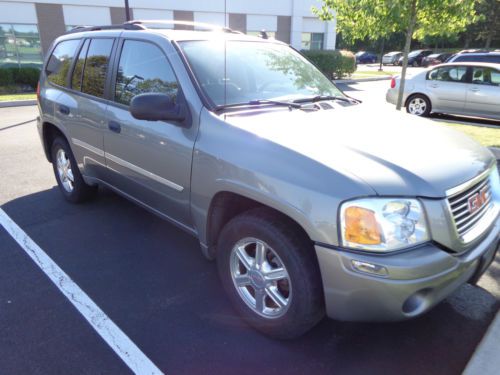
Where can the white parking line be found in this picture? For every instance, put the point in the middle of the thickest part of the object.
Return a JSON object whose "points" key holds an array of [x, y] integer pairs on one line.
{"points": [[103, 325]]}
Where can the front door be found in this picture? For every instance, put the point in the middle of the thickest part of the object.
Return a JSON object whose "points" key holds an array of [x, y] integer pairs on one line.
{"points": [[148, 160], [483, 94]]}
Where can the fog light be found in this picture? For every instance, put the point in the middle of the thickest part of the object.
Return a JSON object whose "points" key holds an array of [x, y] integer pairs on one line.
{"points": [[370, 268]]}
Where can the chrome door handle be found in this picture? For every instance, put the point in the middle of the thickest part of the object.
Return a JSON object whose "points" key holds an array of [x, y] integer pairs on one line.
{"points": [[475, 89], [434, 86]]}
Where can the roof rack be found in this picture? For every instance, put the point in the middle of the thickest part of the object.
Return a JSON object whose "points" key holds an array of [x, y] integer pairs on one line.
{"points": [[155, 24], [162, 24], [125, 26]]}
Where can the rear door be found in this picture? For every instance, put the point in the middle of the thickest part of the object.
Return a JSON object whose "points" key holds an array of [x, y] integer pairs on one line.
{"points": [[483, 93], [447, 88], [88, 106], [148, 160]]}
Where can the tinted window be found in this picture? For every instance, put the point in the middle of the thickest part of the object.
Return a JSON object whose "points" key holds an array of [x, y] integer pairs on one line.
{"points": [[96, 67], [76, 79], [449, 74], [60, 61], [143, 68], [485, 76], [479, 58]]}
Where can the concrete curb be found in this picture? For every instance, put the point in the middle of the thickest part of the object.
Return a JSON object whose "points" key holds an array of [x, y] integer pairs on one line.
{"points": [[496, 152], [17, 103], [486, 358], [372, 79]]}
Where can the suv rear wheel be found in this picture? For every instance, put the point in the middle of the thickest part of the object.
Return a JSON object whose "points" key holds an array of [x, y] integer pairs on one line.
{"points": [[270, 273], [68, 176]]}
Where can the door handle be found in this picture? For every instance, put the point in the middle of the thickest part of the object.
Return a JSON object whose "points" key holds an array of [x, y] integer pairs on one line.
{"points": [[114, 126], [474, 89], [434, 86], [64, 110]]}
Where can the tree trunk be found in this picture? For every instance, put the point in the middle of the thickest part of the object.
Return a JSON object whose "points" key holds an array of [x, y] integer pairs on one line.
{"points": [[409, 34], [381, 54]]}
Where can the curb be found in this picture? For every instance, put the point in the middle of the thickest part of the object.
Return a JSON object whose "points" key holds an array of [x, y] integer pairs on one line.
{"points": [[496, 152], [486, 358], [385, 78], [17, 103]]}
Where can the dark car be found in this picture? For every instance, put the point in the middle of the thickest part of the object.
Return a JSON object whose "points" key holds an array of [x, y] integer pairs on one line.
{"points": [[363, 57], [415, 57], [435, 59], [484, 56]]}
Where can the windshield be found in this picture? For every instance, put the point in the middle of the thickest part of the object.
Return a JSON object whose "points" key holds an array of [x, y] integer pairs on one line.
{"points": [[414, 53], [254, 71]]}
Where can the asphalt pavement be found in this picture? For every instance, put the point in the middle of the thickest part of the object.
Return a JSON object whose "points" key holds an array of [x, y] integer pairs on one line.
{"points": [[151, 280]]}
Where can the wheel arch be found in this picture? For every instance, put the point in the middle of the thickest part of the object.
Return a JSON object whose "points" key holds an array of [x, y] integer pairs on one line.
{"points": [[226, 205], [49, 133]]}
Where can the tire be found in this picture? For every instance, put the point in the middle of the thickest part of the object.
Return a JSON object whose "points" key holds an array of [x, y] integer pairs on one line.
{"points": [[285, 248], [419, 105], [69, 178], [415, 64]]}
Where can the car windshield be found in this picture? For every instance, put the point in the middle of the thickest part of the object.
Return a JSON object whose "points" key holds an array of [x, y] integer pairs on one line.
{"points": [[254, 71], [435, 55], [414, 53]]}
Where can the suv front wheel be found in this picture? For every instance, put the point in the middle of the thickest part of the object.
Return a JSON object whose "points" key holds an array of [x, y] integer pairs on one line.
{"points": [[68, 177], [270, 273]]}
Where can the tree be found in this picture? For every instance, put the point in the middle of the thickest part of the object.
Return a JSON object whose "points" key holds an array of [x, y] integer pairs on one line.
{"points": [[358, 19]]}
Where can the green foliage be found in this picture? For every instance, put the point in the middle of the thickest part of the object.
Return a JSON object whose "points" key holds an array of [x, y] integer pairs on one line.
{"points": [[375, 19], [19, 76], [6, 77], [333, 63]]}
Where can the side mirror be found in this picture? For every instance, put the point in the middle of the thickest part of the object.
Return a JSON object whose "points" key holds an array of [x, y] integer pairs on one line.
{"points": [[156, 107]]}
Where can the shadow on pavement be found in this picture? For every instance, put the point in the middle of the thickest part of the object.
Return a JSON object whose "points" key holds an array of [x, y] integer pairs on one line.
{"points": [[152, 281]]}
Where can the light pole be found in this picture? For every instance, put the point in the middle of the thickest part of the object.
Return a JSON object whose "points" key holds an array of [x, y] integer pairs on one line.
{"points": [[127, 11]]}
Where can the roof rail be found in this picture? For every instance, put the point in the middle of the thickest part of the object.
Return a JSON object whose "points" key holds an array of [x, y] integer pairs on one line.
{"points": [[162, 24], [125, 26]]}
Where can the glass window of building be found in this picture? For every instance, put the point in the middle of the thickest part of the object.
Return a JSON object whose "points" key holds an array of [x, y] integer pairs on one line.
{"points": [[312, 40], [20, 46]]}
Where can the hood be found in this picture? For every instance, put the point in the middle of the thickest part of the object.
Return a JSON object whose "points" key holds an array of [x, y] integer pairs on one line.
{"points": [[395, 154]]}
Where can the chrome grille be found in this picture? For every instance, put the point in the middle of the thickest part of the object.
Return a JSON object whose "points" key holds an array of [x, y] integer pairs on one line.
{"points": [[465, 220]]}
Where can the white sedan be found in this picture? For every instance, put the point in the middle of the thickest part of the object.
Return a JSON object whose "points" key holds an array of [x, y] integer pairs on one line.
{"points": [[469, 89]]}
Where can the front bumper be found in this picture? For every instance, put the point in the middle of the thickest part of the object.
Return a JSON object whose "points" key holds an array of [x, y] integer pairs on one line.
{"points": [[416, 280]]}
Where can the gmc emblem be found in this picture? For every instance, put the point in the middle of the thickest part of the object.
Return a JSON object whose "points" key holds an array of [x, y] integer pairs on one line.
{"points": [[478, 200]]}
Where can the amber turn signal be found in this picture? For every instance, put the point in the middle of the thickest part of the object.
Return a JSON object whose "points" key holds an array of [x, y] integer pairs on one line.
{"points": [[361, 226]]}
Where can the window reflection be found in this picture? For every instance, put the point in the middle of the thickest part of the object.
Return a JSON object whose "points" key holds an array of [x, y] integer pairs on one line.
{"points": [[20, 46]]}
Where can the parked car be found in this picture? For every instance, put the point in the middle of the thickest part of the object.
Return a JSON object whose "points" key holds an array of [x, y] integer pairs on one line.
{"points": [[435, 59], [307, 207], [470, 89], [415, 57], [363, 57], [391, 58], [486, 57]]}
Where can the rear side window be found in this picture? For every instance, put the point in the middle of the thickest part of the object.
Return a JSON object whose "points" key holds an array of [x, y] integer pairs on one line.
{"points": [[60, 61], [96, 67], [479, 58], [143, 68], [76, 79], [449, 74]]}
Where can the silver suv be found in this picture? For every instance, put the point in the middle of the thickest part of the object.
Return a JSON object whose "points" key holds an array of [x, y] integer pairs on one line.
{"points": [[307, 204]]}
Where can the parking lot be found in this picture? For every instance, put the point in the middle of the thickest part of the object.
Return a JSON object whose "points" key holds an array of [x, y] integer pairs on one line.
{"points": [[151, 280]]}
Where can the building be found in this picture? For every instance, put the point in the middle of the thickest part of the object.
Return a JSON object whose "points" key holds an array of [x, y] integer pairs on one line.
{"points": [[27, 28]]}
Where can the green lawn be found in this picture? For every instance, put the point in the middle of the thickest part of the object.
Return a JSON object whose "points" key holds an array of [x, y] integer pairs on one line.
{"points": [[486, 136], [10, 97]]}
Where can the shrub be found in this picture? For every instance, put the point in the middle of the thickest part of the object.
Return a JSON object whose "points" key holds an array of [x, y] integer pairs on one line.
{"points": [[6, 77], [333, 63], [19, 76], [26, 76]]}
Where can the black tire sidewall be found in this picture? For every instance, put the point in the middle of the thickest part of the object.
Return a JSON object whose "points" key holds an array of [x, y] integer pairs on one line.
{"points": [[306, 306], [428, 108], [81, 190]]}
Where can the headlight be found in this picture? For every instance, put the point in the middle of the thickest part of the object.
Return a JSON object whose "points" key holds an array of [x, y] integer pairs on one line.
{"points": [[382, 224]]}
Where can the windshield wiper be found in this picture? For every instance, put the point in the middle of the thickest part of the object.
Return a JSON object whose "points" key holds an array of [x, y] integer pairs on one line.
{"points": [[320, 98], [259, 102]]}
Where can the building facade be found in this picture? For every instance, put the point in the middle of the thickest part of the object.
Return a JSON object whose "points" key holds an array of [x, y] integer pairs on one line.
{"points": [[27, 28]]}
